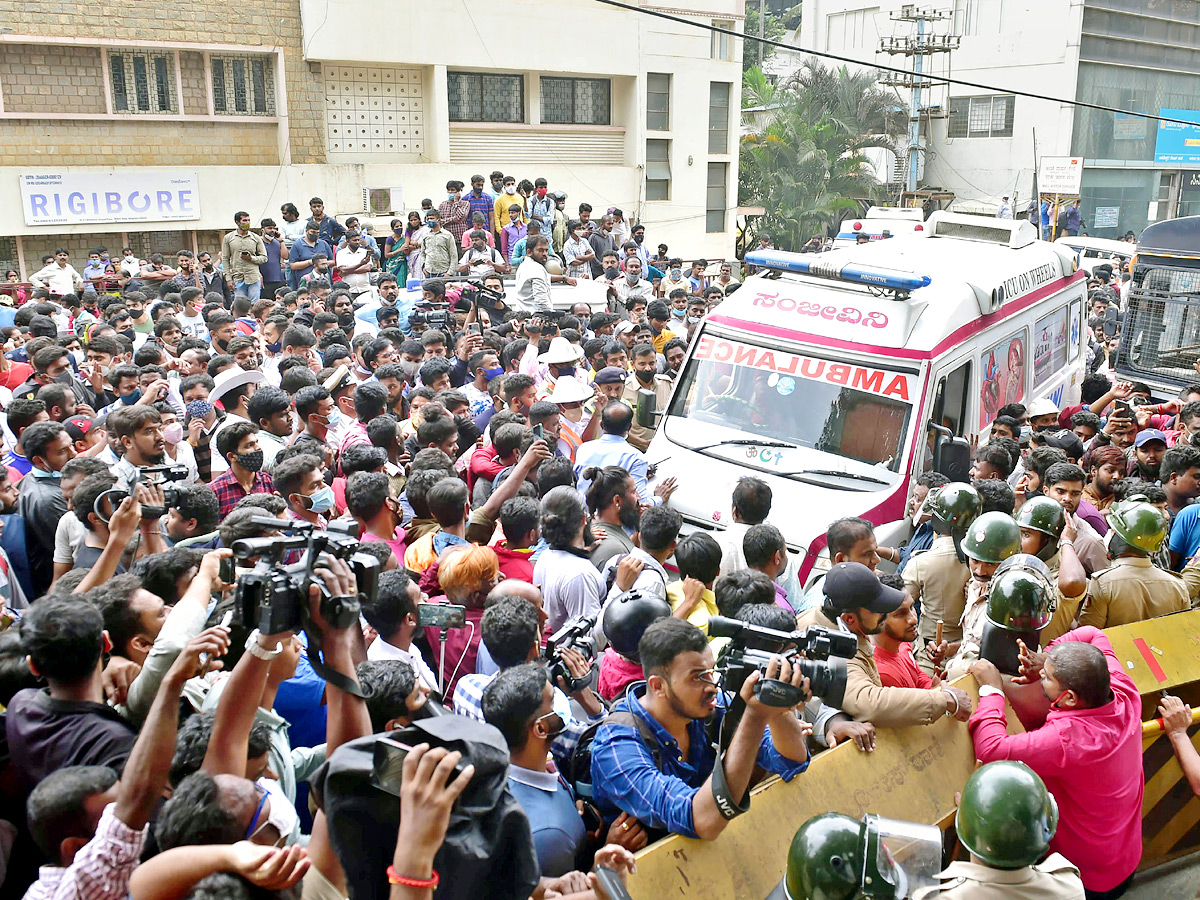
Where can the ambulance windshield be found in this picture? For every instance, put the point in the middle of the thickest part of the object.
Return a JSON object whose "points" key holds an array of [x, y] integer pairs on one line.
{"points": [[856, 412]]}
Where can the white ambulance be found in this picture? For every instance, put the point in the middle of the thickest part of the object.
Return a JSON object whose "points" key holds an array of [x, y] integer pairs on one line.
{"points": [[840, 377], [880, 223]]}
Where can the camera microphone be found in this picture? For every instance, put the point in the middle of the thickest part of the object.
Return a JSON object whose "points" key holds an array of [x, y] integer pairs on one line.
{"points": [[720, 626]]}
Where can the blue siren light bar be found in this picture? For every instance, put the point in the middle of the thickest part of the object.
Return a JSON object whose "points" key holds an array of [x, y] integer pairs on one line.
{"points": [[855, 273]]}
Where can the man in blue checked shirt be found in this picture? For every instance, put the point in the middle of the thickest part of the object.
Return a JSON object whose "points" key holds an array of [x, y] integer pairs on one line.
{"points": [[676, 701]]}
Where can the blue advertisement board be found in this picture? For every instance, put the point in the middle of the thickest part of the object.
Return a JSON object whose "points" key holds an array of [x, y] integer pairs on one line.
{"points": [[1177, 143]]}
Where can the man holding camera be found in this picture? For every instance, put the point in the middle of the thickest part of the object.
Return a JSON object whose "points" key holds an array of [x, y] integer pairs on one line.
{"points": [[661, 768], [855, 596]]}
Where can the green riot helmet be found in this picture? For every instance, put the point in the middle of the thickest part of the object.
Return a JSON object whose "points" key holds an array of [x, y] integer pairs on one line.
{"points": [[835, 857], [1020, 602], [992, 538], [1141, 526], [1040, 513], [953, 507], [1006, 817]]}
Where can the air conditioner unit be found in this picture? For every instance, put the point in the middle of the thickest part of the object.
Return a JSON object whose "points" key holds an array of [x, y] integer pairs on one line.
{"points": [[383, 201]]}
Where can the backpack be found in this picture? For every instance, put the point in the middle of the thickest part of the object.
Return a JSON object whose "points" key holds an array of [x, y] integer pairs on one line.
{"points": [[578, 769]]}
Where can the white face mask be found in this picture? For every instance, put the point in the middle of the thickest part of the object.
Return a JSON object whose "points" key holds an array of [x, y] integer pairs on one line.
{"points": [[80, 356], [510, 189], [282, 813]]}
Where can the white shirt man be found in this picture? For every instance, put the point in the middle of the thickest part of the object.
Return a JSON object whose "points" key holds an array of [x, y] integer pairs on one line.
{"points": [[1005, 210], [349, 258], [59, 278], [533, 281], [381, 649]]}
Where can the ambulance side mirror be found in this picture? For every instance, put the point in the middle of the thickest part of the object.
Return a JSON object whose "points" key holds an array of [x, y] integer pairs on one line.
{"points": [[647, 408], [1110, 321], [952, 457]]}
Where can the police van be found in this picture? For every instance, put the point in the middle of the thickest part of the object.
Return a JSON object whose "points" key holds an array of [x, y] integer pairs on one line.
{"points": [[840, 377]]}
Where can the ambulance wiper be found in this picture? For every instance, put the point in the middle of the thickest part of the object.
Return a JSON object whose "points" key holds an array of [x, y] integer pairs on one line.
{"points": [[746, 442], [854, 476]]}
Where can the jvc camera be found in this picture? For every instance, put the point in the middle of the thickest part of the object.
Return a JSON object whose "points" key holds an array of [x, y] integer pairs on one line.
{"points": [[428, 315], [576, 633], [820, 653], [273, 597]]}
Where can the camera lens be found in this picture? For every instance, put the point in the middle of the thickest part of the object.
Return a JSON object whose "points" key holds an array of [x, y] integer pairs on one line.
{"points": [[826, 678]]}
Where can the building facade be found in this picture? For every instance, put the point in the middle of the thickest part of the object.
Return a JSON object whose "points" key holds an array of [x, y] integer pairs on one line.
{"points": [[149, 125], [1127, 54]]}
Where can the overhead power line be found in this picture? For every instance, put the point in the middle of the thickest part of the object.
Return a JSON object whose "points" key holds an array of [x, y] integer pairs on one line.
{"points": [[886, 68]]}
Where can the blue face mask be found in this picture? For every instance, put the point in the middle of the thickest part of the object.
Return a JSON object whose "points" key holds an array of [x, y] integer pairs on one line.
{"points": [[275, 347], [489, 374], [566, 371], [321, 501], [334, 419], [678, 313], [130, 399], [199, 409]]}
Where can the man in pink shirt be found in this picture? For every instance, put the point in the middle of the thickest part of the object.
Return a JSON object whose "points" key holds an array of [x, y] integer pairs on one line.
{"points": [[1088, 752]]}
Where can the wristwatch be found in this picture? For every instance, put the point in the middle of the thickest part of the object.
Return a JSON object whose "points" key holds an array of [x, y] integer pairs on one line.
{"points": [[262, 653], [988, 689]]}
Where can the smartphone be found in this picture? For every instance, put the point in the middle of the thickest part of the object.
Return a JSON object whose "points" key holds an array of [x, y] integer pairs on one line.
{"points": [[387, 769], [539, 432], [441, 615], [1124, 408], [476, 328], [611, 886]]}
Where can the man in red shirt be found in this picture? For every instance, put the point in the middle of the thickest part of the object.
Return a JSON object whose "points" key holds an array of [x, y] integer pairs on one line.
{"points": [[893, 645], [1088, 752]]}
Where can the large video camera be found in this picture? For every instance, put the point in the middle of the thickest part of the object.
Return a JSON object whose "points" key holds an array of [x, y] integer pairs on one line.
{"points": [[157, 475], [575, 633], [476, 293], [273, 597], [430, 315], [820, 653]]}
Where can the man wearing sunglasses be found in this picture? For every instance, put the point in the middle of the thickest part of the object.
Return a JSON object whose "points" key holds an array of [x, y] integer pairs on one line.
{"points": [[676, 785]]}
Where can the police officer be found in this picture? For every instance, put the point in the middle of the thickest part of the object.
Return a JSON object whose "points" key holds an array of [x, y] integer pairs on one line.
{"points": [[1133, 588], [1018, 607], [937, 577], [835, 857], [991, 539], [1048, 534], [1006, 820]]}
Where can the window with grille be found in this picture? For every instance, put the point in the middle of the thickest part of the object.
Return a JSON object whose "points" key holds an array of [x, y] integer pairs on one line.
{"points": [[658, 102], [716, 197], [718, 117], [243, 85], [576, 101], [981, 116], [142, 83], [475, 97], [658, 169]]}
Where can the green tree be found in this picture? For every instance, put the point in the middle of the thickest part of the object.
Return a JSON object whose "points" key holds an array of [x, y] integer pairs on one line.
{"points": [[753, 52], [802, 156]]}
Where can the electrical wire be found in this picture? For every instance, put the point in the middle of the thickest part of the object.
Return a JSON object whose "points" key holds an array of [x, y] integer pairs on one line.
{"points": [[928, 76]]}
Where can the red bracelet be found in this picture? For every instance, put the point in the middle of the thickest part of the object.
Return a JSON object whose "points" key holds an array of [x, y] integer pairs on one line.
{"points": [[394, 877]]}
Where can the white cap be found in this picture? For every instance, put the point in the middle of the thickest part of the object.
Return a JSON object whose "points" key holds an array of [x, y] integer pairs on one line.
{"points": [[1042, 406], [229, 379], [570, 390], [561, 352]]}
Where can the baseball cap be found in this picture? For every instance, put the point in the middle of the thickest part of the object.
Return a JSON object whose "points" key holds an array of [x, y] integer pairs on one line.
{"points": [[611, 375], [623, 327], [850, 586], [1149, 434], [1067, 441], [78, 427]]}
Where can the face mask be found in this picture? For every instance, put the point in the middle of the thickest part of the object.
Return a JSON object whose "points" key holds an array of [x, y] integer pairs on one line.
{"points": [[221, 345], [675, 273], [79, 356], [64, 377], [252, 461], [129, 333], [1026, 431], [678, 313], [566, 371], [321, 501], [275, 347], [334, 419], [489, 374], [130, 399], [432, 223], [451, 196], [199, 409], [282, 814], [611, 273], [410, 368], [639, 237], [541, 192], [510, 189], [643, 376], [173, 433], [633, 277], [345, 320], [693, 320]]}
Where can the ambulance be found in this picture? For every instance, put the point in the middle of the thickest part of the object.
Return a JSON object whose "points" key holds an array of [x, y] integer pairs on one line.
{"points": [[840, 377], [881, 223]]}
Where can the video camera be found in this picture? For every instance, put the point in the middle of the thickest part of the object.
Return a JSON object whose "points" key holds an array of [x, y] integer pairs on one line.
{"points": [[575, 633], [426, 314], [819, 652], [493, 301], [273, 597], [157, 475]]}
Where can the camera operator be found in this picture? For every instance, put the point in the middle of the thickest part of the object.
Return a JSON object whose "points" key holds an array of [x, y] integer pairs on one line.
{"points": [[855, 596], [673, 785], [140, 431]]}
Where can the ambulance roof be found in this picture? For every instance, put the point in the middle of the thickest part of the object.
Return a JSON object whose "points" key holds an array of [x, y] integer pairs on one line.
{"points": [[918, 296]]}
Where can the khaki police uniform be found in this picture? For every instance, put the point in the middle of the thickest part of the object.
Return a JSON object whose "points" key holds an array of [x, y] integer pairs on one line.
{"points": [[1191, 579], [867, 700], [1130, 590], [938, 580], [1053, 879], [639, 435]]}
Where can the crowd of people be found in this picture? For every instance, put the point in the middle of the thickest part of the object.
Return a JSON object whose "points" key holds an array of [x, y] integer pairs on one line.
{"points": [[493, 466]]}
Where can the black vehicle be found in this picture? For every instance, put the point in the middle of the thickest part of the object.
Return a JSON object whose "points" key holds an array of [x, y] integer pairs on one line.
{"points": [[1160, 340]]}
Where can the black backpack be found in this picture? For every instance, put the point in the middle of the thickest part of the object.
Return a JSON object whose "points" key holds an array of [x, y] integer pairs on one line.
{"points": [[578, 770]]}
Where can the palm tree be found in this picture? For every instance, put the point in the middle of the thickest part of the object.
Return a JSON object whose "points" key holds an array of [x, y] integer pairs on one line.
{"points": [[802, 158]]}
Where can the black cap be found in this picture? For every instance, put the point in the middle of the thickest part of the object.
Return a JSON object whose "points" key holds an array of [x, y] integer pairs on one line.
{"points": [[850, 586]]}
